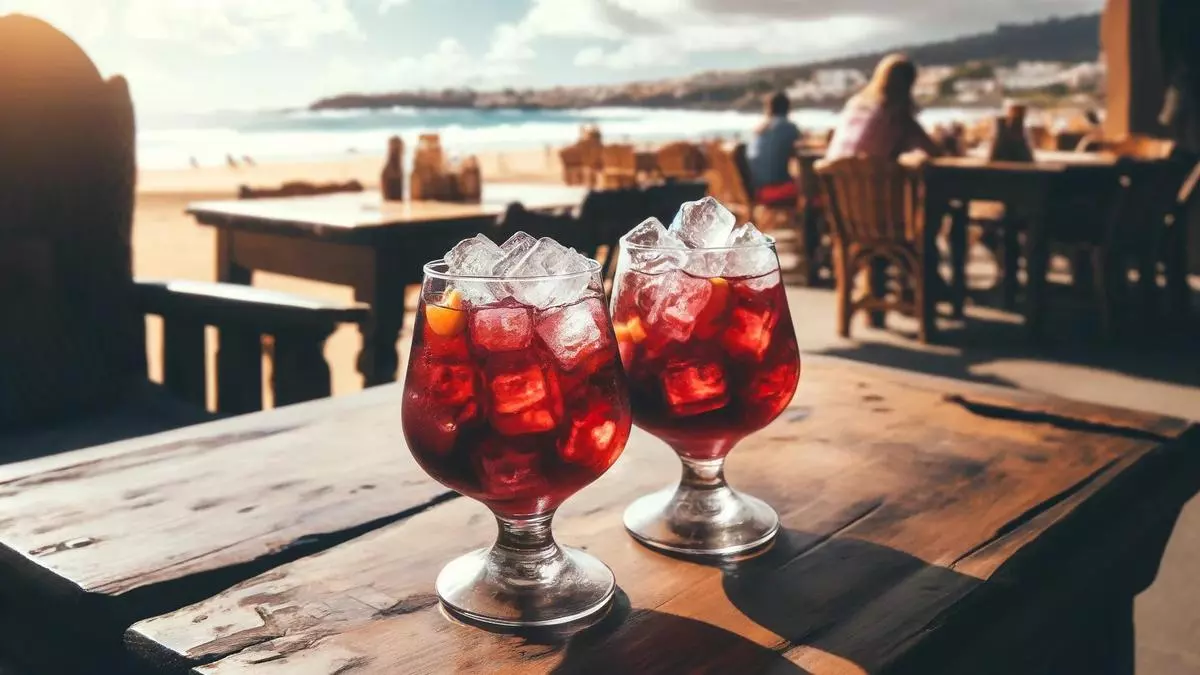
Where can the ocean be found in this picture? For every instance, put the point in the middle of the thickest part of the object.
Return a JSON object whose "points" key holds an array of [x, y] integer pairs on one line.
{"points": [[173, 141]]}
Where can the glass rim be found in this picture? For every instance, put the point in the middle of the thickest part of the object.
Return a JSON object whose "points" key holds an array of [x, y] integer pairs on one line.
{"points": [[430, 271], [769, 243]]}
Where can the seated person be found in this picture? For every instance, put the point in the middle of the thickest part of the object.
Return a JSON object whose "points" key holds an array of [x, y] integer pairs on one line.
{"points": [[769, 155], [881, 120]]}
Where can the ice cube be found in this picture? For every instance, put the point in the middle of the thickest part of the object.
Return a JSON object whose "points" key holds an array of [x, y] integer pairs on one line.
{"points": [[705, 263], [525, 396], [574, 333], [473, 257], [678, 299], [448, 383], [513, 251], [667, 253], [595, 439], [751, 256], [508, 472], [703, 224], [548, 257], [501, 329], [694, 387], [437, 430], [749, 333]]}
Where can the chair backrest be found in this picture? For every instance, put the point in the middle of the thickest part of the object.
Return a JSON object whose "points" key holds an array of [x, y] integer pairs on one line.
{"points": [[612, 213], [663, 201], [298, 189], [563, 228], [679, 160], [620, 158], [724, 178], [870, 200], [72, 338]]}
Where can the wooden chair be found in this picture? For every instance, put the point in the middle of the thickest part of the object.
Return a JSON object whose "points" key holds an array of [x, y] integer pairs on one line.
{"points": [[1141, 208], [663, 201], [619, 166], [612, 213], [298, 189], [679, 161], [73, 350], [873, 206], [725, 181], [572, 165], [561, 227]]}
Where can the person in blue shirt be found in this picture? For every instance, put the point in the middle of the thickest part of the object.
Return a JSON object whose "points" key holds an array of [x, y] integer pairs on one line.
{"points": [[770, 152]]}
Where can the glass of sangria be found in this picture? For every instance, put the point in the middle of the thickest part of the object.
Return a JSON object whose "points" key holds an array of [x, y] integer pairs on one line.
{"points": [[708, 346], [515, 397]]}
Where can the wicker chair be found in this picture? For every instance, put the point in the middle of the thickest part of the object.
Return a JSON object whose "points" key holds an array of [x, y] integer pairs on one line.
{"points": [[873, 206], [679, 161], [620, 166]]}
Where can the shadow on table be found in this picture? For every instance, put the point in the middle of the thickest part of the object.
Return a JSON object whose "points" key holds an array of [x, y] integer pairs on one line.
{"points": [[853, 599], [648, 641]]}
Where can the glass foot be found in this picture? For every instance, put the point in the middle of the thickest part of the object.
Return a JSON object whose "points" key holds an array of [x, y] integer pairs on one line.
{"points": [[492, 588], [713, 521]]}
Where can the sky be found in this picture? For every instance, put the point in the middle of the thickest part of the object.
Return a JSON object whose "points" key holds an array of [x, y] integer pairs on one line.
{"points": [[201, 55]]}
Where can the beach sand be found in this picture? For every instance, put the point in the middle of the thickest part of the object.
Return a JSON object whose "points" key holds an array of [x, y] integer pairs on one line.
{"points": [[168, 244]]}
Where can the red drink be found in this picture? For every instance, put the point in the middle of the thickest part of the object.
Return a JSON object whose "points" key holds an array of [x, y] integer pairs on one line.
{"points": [[515, 406], [709, 361]]}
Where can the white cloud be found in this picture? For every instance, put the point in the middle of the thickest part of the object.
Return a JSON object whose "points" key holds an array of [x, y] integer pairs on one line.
{"points": [[229, 26], [449, 65], [387, 5], [509, 45], [637, 53]]}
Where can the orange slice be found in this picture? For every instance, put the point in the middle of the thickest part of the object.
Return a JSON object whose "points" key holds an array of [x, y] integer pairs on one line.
{"points": [[447, 319], [630, 331], [717, 303]]}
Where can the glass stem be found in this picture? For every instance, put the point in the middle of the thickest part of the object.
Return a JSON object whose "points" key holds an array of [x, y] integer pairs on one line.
{"points": [[703, 475], [525, 548]]}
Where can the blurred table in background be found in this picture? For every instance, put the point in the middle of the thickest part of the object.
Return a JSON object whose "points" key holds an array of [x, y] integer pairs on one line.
{"points": [[362, 241]]}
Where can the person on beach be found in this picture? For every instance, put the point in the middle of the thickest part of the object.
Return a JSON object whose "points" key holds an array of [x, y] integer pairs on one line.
{"points": [[770, 152], [881, 120]]}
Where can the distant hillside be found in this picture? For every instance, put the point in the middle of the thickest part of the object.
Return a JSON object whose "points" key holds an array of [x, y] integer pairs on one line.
{"points": [[1071, 39]]}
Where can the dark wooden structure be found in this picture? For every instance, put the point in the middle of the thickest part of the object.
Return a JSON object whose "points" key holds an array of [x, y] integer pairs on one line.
{"points": [[72, 350], [931, 526], [359, 240], [1062, 197]]}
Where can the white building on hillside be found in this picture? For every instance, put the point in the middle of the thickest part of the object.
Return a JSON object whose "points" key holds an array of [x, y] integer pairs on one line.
{"points": [[828, 83]]}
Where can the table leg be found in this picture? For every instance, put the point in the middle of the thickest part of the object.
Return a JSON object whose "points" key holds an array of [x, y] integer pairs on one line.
{"points": [[378, 360], [1010, 257], [1037, 260], [227, 270], [812, 246], [931, 281], [959, 221], [239, 353]]}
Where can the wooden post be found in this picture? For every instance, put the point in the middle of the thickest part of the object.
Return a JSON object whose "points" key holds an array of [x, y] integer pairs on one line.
{"points": [[183, 359], [1135, 81]]}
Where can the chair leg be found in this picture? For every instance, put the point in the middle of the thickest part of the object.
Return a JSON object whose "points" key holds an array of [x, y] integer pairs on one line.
{"points": [[877, 279], [844, 279], [1103, 273], [926, 330], [1010, 261]]}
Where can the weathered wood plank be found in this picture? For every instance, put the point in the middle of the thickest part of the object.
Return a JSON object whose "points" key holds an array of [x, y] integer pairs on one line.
{"points": [[120, 522], [911, 505]]}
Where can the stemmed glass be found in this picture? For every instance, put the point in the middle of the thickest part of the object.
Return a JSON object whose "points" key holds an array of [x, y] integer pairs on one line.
{"points": [[710, 360], [518, 407]]}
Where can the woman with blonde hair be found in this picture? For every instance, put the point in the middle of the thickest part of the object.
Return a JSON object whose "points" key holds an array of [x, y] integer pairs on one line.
{"points": [[881, 120]]}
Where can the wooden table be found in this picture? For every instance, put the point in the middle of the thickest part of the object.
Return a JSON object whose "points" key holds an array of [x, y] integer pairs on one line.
{"points": [[359, 240], [1026, 189], [931, 526]]}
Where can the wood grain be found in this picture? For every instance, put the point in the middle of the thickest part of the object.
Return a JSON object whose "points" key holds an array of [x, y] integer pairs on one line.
{"points": [[127, 522], [914, 508]]}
